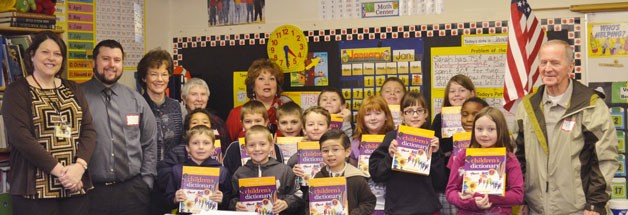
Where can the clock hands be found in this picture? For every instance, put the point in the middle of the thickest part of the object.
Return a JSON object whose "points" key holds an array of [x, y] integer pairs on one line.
{"points": [[286, 49]]}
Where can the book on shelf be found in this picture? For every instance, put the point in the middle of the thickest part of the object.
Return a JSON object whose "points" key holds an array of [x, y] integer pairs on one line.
{"points": [[3, 134], [328, 196], [310, 160], [288, 146], [485, 171], [368, 144], [28, 25], [414, 154], [23, 40], [258, 194], [199, 183], [451, 121], [461, 141], [27, 20], [336, 121], [15, 63], [26, 15]]}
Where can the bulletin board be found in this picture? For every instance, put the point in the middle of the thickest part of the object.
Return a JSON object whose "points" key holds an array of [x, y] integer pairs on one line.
{"points": [[215, 58], [86, 22], [607, 59]]}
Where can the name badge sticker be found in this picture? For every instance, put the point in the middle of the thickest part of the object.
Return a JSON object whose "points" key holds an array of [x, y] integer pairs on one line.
{"points": [[132, 119], [568, 125]]}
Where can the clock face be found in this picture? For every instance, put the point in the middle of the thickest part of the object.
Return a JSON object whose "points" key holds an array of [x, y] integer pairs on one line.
{"points": [[287, 46]]}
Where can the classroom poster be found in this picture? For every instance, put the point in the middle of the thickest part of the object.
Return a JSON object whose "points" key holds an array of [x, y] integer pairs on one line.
{"points": [[78, 21], [317, 75], [607, 54], [483, 64], [236, 12], [239, 88], [366, 64]]}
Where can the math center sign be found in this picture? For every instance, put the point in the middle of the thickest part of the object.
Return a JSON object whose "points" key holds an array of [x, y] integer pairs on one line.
{"points": [[380, 9]]}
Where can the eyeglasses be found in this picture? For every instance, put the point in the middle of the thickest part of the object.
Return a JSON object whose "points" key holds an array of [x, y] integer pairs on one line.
{"points": [[411, 112]]}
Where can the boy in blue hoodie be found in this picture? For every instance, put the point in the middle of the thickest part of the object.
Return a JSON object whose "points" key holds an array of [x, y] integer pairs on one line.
{"points": [[200, 147]]}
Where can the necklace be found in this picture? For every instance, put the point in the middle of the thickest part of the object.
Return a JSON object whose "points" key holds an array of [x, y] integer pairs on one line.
{"points": [[37, 82], [48, 96]]}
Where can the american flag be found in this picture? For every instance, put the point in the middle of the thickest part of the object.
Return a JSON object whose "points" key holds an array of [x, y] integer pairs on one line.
{"points": [[525, 37]]}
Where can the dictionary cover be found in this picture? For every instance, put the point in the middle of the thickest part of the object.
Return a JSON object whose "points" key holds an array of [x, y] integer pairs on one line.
{"points": [[485, 171], [198, 183], [217, 155], [395, 111], [368, 144], [328, 196], [451, 121], [288, 146], [461, 142], [336, 122], [244, 157], [414, 154], [310, 160], [258, 194]]}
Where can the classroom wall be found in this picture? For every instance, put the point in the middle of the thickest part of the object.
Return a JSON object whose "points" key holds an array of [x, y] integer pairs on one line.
{"points": [[166, 19]]}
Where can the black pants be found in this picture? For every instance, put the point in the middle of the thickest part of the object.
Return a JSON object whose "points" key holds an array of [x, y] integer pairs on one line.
{"points": [[72, 205], [129, 197]]}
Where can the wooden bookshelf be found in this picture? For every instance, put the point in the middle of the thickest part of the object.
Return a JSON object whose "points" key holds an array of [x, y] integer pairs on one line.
{"points": [[17, 30]]}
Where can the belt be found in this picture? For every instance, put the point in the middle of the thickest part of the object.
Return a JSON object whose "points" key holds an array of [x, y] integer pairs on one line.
{"points": [[109, 183]]}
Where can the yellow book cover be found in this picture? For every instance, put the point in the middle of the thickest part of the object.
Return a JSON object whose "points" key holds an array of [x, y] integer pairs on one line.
{"points": [[414, 154], [199, 183], [288, 146], [451, 121], [328, 196], [485, 171], [368, 144], [336, 121], [310, 160], [461, 141], [258, 194]]}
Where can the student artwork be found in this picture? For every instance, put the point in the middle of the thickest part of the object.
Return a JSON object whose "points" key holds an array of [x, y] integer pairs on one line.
{"points": [[414, 154], [328, 196], [485, 171], [288, 146], [258, 194], [310, 160], [368, 145], [198, 184]]}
